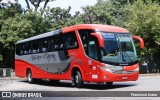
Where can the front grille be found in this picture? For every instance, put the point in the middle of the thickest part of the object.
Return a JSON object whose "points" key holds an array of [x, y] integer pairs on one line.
{"points": [[124, 72], [130, 72]]}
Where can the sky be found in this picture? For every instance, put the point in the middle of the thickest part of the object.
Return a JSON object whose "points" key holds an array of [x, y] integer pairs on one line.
{"points": [[75, 4]]}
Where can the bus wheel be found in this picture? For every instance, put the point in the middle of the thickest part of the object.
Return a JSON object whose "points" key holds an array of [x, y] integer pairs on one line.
{"points": [[77, 80], [73, 80], [29, 77], [109, 84]]}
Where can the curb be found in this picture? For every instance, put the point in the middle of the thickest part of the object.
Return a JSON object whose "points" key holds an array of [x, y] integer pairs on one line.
{"points": [[12, 78], [154, 74]]}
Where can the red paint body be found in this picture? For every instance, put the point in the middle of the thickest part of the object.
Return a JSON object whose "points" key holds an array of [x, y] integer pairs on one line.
{"points": [[84, 67]]}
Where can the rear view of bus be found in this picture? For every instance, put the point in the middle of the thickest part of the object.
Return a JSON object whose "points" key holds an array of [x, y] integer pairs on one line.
{"points": [[88, 53]]}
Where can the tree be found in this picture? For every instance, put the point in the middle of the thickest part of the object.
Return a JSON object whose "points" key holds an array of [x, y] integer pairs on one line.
{"points": [[144, 20], [15, 25], [95, 14], [59, 17], [106, 12], [36, 4], [8, 11]]}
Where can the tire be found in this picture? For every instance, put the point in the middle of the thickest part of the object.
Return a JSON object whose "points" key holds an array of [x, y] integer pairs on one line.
{"points": [[77, 80], [29, 77], [74, 80], [109, 84]]}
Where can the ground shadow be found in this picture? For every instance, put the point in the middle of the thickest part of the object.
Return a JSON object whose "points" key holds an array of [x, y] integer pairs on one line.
{"points": [[92, 86]]}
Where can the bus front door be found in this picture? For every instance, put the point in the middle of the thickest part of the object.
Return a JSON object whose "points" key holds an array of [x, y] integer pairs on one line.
{"points": [[93, 53]]}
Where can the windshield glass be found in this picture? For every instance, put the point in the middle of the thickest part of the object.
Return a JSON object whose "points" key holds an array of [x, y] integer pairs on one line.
{"points": [[118, 49]]}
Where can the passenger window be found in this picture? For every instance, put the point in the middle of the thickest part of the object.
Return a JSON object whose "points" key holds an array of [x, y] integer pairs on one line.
{"points": [[30, 48], [59, 45], [71, 40], [90, 43], [52, 44], [84, 34], [45, 45], [35, 47], [24, 49], [18, 49]]}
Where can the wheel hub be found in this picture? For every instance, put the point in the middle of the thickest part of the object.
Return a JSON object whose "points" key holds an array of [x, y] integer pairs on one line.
{"points": [[76, 78], [29, 77]]}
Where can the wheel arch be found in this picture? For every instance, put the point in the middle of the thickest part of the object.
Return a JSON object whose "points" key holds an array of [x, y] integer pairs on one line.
{"points": [[75, 69]]}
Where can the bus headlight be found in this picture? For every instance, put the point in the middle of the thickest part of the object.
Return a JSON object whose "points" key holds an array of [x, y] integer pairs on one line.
{"points": [[137, 69], [104, 68]]}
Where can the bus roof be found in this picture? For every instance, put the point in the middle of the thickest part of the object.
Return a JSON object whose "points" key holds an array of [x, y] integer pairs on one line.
{"points": [[107, 28], [51, 33]]}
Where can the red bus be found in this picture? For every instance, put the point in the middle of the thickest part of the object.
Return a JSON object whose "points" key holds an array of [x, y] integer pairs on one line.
{"points": [[80, 53]]}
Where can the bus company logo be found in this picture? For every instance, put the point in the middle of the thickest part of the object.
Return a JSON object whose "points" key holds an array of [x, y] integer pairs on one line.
{"points": [[6, 94], [124, 72], [44, 56]]}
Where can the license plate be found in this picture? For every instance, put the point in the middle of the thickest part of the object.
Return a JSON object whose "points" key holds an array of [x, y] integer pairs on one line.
{"points": [[124, 77]]}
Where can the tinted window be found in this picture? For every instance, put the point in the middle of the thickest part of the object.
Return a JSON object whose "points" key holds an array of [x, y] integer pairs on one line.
{"points": [[58, 40], [24, 49], [28, 48], [84, 34], [35, 47], [18, 49], [93, 47], [71, 40], [90, 43], [44, 45], [51, 44]]}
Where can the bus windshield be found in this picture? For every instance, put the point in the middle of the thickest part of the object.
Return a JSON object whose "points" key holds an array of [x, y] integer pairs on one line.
{"points": [[118, 49]]}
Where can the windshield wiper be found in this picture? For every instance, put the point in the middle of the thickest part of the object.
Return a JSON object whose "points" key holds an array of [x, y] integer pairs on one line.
{"points": [[123, 52], [127, 55]]}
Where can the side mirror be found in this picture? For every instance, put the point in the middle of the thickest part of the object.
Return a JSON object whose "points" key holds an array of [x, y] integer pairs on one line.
{"points": [[140, 41], [99, 37]]}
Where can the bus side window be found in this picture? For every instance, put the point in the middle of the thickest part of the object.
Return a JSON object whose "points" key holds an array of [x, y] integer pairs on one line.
{"points": [[35, 47], [84, 38], [71, 40], [59, 44], [45, 45], [26, 48], [23, 50], [51, 44], [29, 48], [18, 49]]}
